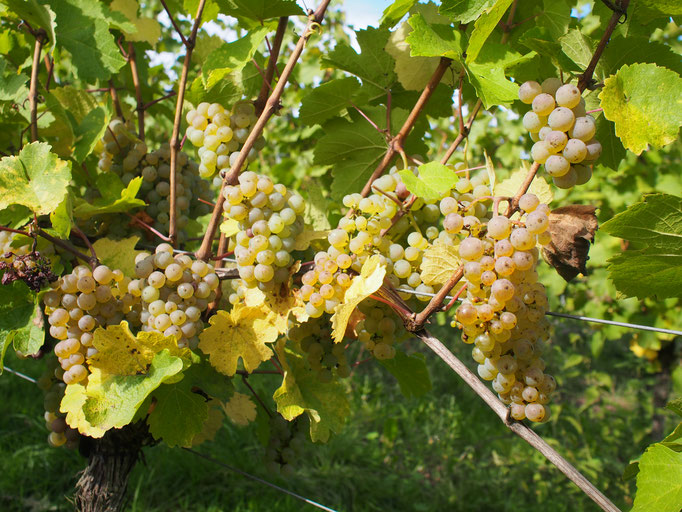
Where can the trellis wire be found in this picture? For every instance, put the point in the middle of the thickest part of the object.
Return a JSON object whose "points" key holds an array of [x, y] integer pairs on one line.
{"points": [[572, 317], [260, 480], [21, 375]]}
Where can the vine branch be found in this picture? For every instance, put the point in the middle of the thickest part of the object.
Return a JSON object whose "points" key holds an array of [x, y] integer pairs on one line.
{"points": [[272, 64], [132, 60], [33, 90], [271, 107], [175, 137]]}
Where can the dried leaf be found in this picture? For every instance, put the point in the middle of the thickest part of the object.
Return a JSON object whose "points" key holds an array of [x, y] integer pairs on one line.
{"points": [[572, 228]]}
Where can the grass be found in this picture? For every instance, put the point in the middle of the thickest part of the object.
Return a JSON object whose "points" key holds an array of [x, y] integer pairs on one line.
{"points": [[443, 451]]}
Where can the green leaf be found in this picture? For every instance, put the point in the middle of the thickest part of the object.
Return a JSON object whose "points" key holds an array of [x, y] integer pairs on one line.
{"points": [[655, 221], [491, 85], [648, 273], [118, 254], [225, 92], [62, 217], [210, 12], [115, 198], [411, 372], [86, 37], [20, 320], [15, 216], [260, 9], [465, 11], [36, 179], [675, 406], [631, 50], [434, 181], [178, 415], [659, 482], [328, 99], [112, 400], [146, 29], [39, 16], [434, 39], [89, 132], [317, 206], [613, 151], [373, 65], [215, 384], [645, 102], [301, 391], [232, 57], [484, 26], [394, 12], [10, 84], [577, 47]]}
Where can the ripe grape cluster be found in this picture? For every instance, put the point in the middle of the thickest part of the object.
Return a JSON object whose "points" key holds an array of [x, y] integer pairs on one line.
{"points": [[124, 154], [285, 446], [175, 290], [270, 219], [563, 132], [503, 313], [219, 134], [79, 303], [326, 358], [60, 432]]}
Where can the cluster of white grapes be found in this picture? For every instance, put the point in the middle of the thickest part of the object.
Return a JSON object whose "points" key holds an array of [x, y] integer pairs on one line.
{"points": [[79, 303], [175, 290], [60, 432], [285, 447], [123, 153], [219, 134], [326, 358], [270, 218], [563, 132], [503, 312]]}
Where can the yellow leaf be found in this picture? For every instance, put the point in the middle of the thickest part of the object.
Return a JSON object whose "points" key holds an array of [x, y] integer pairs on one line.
{"points": [[307, 236], [148, 29], [72, 404], [510, 186], [240, 409], [119, 352], [369, 281], [242, 333], [229, 227], [490, 169], [118, 254], [439, 262], [280, 306]]}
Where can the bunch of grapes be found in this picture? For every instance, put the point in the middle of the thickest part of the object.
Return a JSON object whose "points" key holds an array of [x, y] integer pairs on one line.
{"points": [[175, 290], [326, 358], [270, 219], [121, 150], [79, 303], [7, 251], [377, 331], [287, 440], [53, 386], [220, 134], [503, 313], [563, 132]]}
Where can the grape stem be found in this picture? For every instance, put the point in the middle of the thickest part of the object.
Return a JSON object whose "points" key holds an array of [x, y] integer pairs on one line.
{"points": [[174, 23], [463, 134], [272, 105], [518, 428], [396, 144], [454, 298], [56, 241], [132, 61], [117, 105], [175, 137], [245, 378], [146, 226], [585, 80], [33, 90], [154, 102], [87, 243], [417, 321], [514, 203], [272, 65]]}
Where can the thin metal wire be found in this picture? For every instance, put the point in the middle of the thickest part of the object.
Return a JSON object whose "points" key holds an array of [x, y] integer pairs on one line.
{"points": [[260, 480], [19, 374], [573, 317]]}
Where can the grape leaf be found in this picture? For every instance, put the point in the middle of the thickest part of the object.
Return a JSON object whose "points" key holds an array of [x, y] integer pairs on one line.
{"points": [[394, 12], [328, 100], [578, 47], [115, 198], [203, 376], [225, 92], [148, 29], [232, 57], [675, 406], [94, 53], [111, 401], [19, 318], [301, 391], [434, 181], [178, 415], [465, 11], [212, 425], [539, 187], [484, 26], [659, 482], [243, 333], [631, 50], [35, 178], [434, 40], [38, 15], [118, 254], [240, 409], [369, 281], [89, 132], [647, 273], [411, 372], [277, 307], [439, 262], [373, 65], [317, 206], [119, 352], [644, 102], [62, 217], [210, 12], [304, 239], [10, 84], [491, 85], [613, 151], [260, 9]]}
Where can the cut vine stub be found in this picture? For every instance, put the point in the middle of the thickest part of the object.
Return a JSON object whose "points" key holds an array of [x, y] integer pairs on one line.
{"points": [[103, 483]]}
